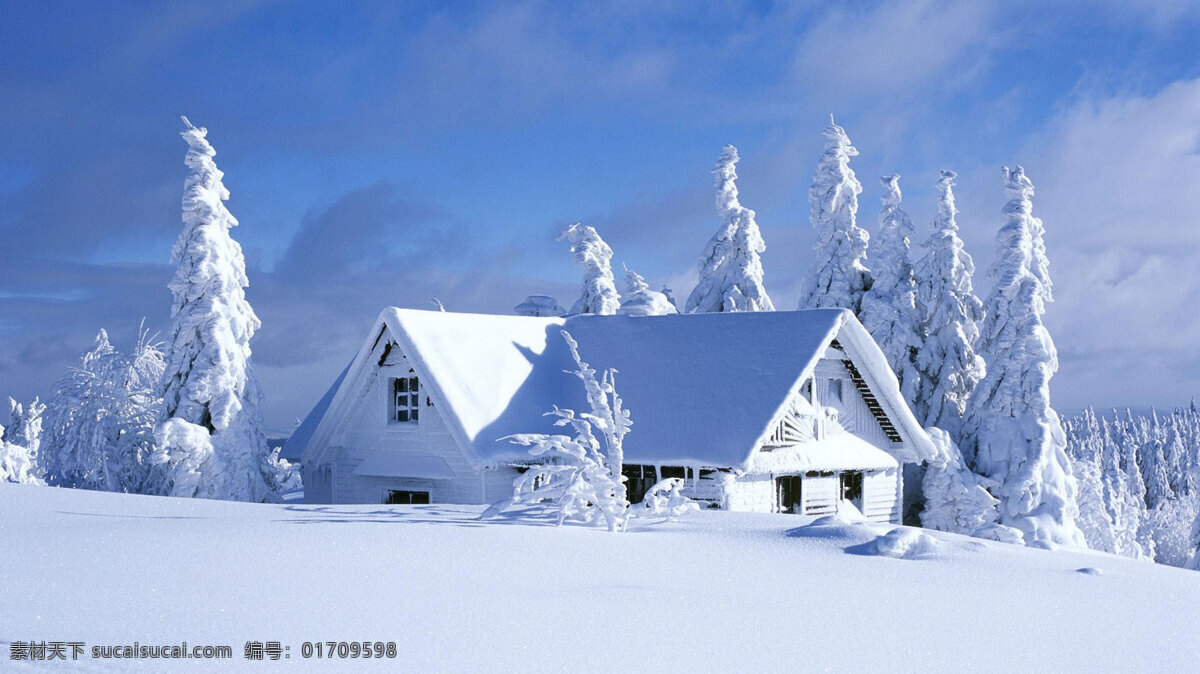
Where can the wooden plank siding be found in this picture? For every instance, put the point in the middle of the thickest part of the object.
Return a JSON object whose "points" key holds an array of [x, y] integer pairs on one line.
{"points": [[881, 495], [820, 493]]}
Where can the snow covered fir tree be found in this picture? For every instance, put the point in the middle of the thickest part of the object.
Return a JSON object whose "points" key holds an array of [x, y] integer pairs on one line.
{"points": [[889, 308], [948, 313], [731, 272], [1013, 435], [838, 276], [210, 441]]}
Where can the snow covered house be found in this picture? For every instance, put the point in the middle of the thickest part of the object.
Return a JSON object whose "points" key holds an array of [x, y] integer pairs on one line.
{"points": [[793, 412]]}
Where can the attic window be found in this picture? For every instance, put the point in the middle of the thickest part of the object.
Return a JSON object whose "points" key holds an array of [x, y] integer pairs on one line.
{"points": [[835, 390], [405, 400]]}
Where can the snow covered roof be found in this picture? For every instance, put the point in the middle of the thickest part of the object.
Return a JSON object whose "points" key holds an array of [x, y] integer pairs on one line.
{"points": [[841, 451], [702, 389], [293, 449]]}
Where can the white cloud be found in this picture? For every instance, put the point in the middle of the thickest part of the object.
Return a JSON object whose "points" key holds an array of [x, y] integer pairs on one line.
{"points": [[1117, 185], [893, 47]]}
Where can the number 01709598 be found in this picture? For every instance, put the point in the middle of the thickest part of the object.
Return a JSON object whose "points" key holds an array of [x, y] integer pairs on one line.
{"points": [[348, 649]]}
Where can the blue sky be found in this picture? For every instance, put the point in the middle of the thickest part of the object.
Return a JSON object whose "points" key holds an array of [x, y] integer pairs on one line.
{"points": [[386, 153]]}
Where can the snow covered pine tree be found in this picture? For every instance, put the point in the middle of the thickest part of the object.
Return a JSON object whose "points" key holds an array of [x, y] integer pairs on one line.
{"points": [[838, 277], [580, 477], [1013, 434], [731, 272], [889, 308], [599, 294], [948, 312], [210, 438]]}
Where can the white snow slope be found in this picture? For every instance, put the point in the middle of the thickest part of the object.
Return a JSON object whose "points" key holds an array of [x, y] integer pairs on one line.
{"points": [[715, 591]]}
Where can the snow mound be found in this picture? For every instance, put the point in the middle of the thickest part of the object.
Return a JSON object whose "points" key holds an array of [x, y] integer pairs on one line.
{"points": [[904, 543]]}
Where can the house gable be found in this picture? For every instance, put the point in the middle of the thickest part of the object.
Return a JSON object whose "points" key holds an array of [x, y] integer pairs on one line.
{"points": [[846, 392], [361, 415]]}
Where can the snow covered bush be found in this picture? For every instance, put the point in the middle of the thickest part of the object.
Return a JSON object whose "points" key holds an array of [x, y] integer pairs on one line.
{"points": [[209, 380], [19, 443], [839, 276], [100, 420], [1013, 434], [731, 272], [539, 305], [956, 499], [948, 311], [599, 294], [889, 308], [640, 300], [579, 476], [665, 499]]}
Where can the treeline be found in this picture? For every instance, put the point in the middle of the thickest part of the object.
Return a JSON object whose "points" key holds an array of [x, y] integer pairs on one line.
{"points": [[1139, 482]]}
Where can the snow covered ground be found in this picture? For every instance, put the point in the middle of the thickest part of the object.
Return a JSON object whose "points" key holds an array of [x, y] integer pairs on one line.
{"points": [[716, 591]]}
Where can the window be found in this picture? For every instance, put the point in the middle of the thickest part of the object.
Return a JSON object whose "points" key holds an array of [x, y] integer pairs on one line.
{"points": [[852, 487], [789, 490], [404, 497], [405, 399], [638, 481], [672, 471], [835, 390]]}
